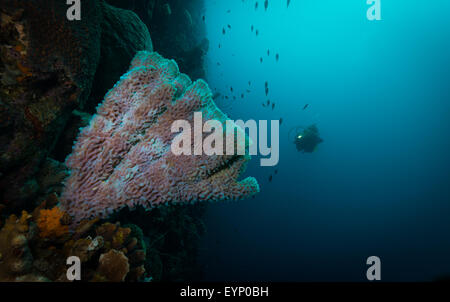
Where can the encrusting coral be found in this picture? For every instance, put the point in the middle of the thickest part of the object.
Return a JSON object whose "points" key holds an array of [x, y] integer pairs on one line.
{"points": [[123, 158]]}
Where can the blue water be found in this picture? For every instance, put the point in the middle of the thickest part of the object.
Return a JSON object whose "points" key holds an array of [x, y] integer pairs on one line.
{"points": [[379, 184]]}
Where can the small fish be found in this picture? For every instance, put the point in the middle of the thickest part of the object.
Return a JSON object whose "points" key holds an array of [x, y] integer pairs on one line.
{"points": [[252, 28], [228, 11], [268, 52], [218, 64], [306, 106], [242, 95], [231, 88], [276, 171], [249, 83], [203, 18], [223, 31], [226, 97], [257, 32], [248, 91], [277, 57], [220, 45], [288, 2], [256, 5], [266, 4], [270, 178], [264, 105], [216, 95], [261, 59], [229, 26], [281, 122], [273, 106], [268, 102]]}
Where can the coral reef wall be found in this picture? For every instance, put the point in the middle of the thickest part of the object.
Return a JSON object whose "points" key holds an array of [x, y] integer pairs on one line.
{"points": [[48, 67], [53, 73]]}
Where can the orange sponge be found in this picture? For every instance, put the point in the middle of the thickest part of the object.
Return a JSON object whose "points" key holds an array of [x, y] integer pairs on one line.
{"points": [[49, 223]]}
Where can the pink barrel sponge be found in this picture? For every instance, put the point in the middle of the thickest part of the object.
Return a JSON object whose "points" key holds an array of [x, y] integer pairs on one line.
{"points": [[123, 157]]}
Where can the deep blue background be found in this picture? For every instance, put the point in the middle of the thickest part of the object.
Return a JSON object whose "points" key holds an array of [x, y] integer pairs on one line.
{"points": [[380, 183]]}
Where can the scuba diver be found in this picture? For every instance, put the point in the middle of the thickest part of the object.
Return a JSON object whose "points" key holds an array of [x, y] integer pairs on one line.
{"points": [[306, 139]]}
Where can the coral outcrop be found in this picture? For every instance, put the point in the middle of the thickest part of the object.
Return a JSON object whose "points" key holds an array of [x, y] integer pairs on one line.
{"points": [[34, 247], [123, 158]]}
